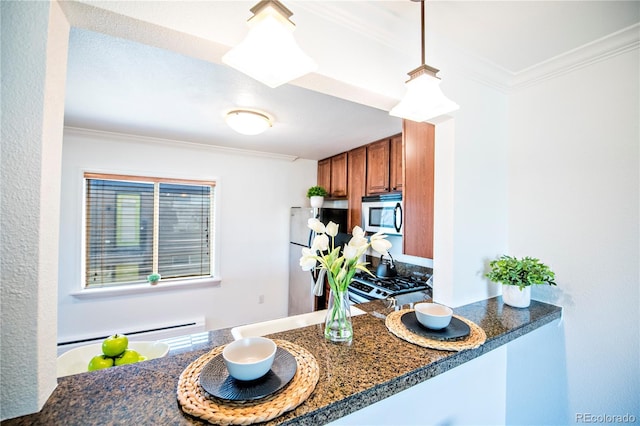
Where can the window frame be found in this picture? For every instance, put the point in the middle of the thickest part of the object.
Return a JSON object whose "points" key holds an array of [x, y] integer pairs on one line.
{"points": [[137, 286]]}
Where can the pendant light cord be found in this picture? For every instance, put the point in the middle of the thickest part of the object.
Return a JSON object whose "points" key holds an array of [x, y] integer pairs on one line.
{"points": [[422, 27]]}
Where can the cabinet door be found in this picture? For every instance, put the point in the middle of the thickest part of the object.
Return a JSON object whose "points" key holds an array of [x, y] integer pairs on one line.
{"points": [[395, 165], [324, 174], [418, 188], [356, 178], [339, 175], [378, 167]]}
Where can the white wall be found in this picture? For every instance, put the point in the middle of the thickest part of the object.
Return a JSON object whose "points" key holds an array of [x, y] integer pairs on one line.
{"points": [[573, 202], [34, 52], [253, 196], [470, 192], [536, 385]]}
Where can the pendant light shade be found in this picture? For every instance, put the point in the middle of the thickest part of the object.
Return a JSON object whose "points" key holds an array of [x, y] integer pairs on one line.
{"points": [[424, 99], [269, 53], [248, 122]]}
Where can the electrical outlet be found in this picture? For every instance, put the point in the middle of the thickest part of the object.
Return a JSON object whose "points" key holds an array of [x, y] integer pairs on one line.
{"points": [[261, 299]]}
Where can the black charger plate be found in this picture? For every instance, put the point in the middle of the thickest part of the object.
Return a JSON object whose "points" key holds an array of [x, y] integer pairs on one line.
{"points": [[456, 330], [215, 379]]}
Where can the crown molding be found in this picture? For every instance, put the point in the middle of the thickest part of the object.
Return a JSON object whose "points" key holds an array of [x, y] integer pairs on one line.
{"points": [[476, 68], [598, 50], [102, 134]]}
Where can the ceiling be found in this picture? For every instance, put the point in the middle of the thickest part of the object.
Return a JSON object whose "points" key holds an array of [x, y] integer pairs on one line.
{"points": [[123, 86], [169, 82]]}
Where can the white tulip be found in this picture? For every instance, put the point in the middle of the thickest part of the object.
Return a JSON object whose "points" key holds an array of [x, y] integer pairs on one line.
{"points": [[358, 242], [308, 259], [379, 244], [320, 242], [350, 252], [378, 236], [362, 250], [316, 225], [357, 232], [332, 229]]}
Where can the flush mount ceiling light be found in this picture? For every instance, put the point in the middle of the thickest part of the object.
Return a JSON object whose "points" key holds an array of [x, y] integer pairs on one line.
{"points": [[248, 122], [269, 53], [424, 100]]}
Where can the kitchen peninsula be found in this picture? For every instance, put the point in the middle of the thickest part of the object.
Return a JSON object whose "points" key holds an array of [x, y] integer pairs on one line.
{"points": [[378, 365]]}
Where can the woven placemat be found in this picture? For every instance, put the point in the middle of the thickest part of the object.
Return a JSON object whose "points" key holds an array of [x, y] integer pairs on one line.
{"points": [[197, 402], [476, 337]]}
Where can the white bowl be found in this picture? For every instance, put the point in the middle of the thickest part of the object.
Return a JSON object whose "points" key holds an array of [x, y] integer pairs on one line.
{"points": [[433, 315], [77, 360], [249, 358]]}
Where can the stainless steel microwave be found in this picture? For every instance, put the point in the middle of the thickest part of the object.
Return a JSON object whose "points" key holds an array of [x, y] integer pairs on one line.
{"points": [[382, 213]]}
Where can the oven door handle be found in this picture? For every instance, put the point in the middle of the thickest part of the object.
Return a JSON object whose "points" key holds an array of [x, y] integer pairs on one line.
{"points": [[397, 217]]}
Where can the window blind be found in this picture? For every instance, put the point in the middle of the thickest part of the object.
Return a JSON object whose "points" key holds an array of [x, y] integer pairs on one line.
{"points": [[183, 241], [136, 227]]}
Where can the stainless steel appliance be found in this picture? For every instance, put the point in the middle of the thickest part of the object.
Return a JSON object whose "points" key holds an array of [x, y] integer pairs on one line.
{"points": [[365, 288], [301, 298], [382, 213]]}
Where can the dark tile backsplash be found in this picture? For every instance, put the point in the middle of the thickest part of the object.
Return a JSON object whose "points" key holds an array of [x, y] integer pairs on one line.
{"points": [[404, 269]]}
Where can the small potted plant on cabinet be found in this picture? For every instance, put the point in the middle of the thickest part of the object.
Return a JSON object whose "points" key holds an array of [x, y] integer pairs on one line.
{"points": [[316, 196], [517, 276]]}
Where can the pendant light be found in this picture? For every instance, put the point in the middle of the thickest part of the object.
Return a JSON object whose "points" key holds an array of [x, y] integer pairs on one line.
{"points": [[424, 99], [269, 53]]}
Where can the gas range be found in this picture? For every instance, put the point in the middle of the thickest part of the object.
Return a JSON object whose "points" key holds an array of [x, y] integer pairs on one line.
{"points": [[364, 287]]}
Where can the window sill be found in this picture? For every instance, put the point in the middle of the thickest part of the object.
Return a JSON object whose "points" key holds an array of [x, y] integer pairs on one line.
{"points": [[178, 285]]}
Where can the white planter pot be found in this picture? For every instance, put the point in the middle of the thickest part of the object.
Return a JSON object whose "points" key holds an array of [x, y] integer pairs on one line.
{"points": [[316, 201], [513, 296]]}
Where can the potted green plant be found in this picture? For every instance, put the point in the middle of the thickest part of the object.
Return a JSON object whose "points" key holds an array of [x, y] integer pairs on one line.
{"points": [[316, 196], [153, 278], [517, 276]]}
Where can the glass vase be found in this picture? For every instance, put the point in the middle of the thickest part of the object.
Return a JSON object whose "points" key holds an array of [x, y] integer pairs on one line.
{"points": [[337, 325]]}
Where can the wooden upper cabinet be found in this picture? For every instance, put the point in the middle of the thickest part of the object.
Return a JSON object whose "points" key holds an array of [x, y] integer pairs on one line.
{"points": [[324, 174], [332, 175], [384, 166], [418, 191], [378, 167], [395, 163], [339, 175], [356, 178]]}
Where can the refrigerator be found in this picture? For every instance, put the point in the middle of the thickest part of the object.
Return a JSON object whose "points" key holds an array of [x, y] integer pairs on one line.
{"points": [[301, 297]]}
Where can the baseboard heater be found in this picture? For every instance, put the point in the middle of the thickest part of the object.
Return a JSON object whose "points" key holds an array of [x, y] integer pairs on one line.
{"points": [[153, 333]]}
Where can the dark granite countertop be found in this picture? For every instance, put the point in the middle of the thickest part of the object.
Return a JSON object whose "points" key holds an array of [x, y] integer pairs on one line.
{"points": [[377, 365]]}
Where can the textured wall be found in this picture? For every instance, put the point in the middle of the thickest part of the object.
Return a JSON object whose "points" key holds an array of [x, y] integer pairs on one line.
{"points": [[34, 50]]}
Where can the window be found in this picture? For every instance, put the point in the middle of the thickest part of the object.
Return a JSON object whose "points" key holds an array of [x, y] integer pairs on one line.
{"points": [[139, 225]]}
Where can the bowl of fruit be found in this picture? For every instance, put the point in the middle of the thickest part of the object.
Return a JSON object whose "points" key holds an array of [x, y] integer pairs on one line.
{"points": [[114, 351]]}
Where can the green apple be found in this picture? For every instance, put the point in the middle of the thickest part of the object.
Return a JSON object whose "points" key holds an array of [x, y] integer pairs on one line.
{"points": [[99, 362], [128, 357], [115, 345]]}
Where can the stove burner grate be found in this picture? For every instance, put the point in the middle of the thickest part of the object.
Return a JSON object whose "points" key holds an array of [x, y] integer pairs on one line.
{"points": [[380, 288]]}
